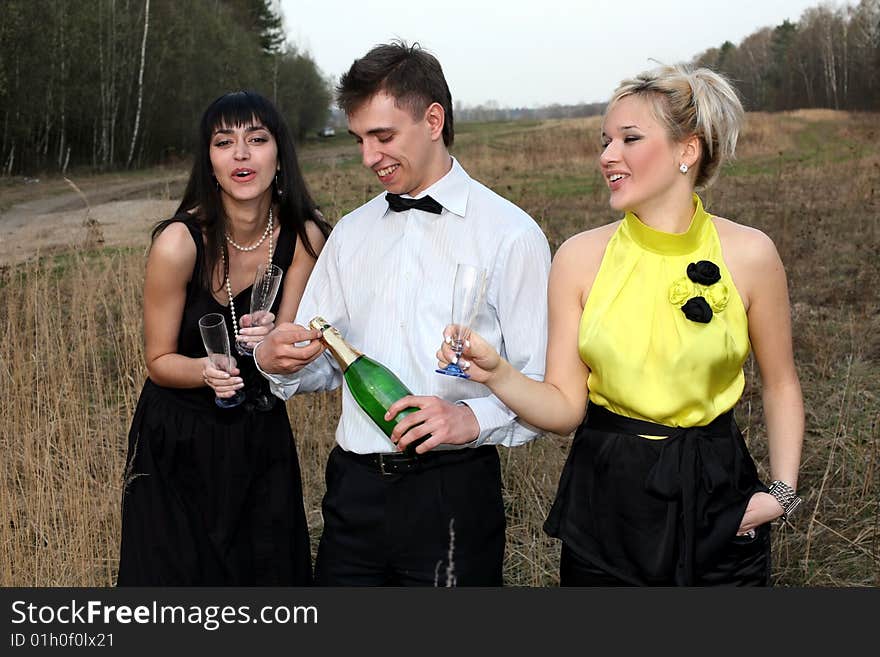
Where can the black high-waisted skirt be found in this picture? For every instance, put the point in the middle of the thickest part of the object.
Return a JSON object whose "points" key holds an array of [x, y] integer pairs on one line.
{"points": [[660, 512]]}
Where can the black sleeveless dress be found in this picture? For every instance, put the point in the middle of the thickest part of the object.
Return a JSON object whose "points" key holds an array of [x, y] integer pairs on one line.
{"points": [[213, 496]]}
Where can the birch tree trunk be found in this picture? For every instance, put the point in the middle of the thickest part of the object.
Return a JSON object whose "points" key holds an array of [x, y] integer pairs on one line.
{"points": [[105, 91], [137, 117], [829, 65], [808, 83], [62, 44]]}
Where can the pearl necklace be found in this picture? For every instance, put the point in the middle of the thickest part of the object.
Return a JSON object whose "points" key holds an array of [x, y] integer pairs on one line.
{"points": [[256, 244], [269, 231]]}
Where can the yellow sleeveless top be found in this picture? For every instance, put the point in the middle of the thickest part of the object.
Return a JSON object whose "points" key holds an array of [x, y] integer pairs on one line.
{"points": [[648, 360]]}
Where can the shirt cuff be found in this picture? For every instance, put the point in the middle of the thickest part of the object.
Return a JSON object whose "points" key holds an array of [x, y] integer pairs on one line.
{"points": [[283, 386], [497, 422], [475, 441]]}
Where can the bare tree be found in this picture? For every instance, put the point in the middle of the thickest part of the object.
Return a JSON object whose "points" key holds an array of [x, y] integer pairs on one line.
{"points": [[137, 118], [76, 87], [829, 58], [865, 59]]}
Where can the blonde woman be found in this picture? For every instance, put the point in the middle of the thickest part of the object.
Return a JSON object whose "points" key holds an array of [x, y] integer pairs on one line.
{"points": [[650, 321]]}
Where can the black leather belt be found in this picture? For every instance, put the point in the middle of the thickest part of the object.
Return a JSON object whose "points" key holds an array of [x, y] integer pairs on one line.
{"points": [[396, 463]]}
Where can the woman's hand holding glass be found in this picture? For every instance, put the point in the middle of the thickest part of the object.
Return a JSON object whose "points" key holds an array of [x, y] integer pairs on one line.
{"points": [[253, 330], [224, 384], [219, 370], [478, 358], [257, 324], [468, 292]]}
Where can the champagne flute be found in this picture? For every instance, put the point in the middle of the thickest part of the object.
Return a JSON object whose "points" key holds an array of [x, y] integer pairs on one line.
{"points": [[216, 340], [467, 297], [267, 280]]}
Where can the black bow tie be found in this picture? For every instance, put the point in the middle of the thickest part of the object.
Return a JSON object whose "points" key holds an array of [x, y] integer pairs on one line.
{"points": [[399, 204]]}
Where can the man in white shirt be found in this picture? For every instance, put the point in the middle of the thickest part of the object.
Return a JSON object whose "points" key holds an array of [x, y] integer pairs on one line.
{"points": [[384, 279]]}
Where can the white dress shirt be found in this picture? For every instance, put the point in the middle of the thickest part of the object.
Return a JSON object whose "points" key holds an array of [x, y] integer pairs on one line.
{"points": [[384, 280]]}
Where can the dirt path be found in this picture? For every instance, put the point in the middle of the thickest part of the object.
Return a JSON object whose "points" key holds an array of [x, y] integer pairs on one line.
{"points": [[44, 217]]}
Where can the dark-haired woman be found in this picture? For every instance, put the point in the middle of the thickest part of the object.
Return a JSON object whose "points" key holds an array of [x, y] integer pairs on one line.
{"points": [[213, 496]]}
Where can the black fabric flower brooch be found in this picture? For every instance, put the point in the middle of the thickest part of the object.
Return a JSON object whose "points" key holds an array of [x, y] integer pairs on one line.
{"points": [[701, 293], [704, 272]]}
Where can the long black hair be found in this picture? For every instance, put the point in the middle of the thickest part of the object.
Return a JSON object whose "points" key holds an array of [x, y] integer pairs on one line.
{"points": [[202, 195]]}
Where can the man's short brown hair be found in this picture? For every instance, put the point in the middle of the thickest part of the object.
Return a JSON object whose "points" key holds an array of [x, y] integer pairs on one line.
{"points": [[409, 74]]}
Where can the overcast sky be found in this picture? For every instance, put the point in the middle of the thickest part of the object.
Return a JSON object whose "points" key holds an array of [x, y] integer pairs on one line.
{"points": [[525, 53]]}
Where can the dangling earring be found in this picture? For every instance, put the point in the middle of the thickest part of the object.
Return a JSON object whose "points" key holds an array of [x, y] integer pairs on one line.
{"points": [[683, 168], [216, 182], [278, 189]]}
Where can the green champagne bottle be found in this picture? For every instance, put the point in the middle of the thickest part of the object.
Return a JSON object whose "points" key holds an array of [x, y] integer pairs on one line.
{"points": [[373, 386]]}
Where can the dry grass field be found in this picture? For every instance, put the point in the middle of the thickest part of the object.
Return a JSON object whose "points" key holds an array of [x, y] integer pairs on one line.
{"points": [[71, 355]]}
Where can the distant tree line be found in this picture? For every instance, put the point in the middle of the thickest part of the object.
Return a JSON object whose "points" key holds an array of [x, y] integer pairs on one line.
{"points": [[491, 111], [122, 83], [829, 58]]}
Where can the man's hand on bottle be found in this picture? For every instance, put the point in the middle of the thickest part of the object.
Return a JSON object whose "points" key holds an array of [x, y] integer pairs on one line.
{"points": [[453, 424], [278, 353]]}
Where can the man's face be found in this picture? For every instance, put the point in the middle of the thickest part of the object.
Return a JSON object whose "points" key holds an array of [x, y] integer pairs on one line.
{"points": [[394, 145]]}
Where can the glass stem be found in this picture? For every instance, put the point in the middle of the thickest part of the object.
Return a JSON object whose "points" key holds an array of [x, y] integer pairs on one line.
{"points": [[457, 348]]}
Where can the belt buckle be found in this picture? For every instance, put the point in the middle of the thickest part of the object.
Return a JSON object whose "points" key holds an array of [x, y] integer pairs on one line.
{"points": [[382, 466]]}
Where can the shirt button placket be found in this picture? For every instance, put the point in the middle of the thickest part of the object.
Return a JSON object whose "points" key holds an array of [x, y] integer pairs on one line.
{"points": [[410, 247]]}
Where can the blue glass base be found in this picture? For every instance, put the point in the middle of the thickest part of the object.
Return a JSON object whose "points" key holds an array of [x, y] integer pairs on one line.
{"points": [[453, 370], [230, 402]]}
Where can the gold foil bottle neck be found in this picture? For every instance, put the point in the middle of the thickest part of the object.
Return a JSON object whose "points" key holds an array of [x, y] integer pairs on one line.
{"points": [[343, 352]]}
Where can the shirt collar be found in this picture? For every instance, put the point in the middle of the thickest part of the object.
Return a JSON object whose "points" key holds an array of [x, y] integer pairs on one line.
{"points": [[451, 191]]}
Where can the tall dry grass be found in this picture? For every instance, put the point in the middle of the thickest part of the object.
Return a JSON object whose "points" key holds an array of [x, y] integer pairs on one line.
{"points": [[71, 355], [71, 364]]}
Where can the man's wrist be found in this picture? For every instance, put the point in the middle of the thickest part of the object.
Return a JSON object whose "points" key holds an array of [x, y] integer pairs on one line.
{"points": [[256, 361], [269, 375], [470, 417]]}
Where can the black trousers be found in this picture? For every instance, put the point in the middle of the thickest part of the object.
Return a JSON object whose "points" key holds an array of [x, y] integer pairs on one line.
{"points": [[640, 512], [441, 524], [745, 562]]}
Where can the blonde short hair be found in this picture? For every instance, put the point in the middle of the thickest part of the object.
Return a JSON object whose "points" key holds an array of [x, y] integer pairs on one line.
{"points": [[692, 102]]}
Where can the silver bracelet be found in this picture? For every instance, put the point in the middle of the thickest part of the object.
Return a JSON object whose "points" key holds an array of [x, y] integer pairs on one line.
{"points": [[786, 496]]}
